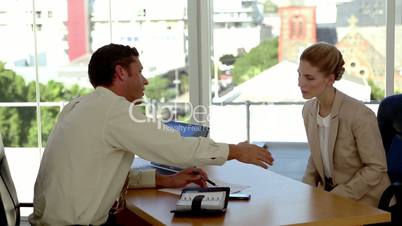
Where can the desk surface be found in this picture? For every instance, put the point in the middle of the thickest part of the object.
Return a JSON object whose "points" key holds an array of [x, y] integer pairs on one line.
{"points": [[275, 200]]}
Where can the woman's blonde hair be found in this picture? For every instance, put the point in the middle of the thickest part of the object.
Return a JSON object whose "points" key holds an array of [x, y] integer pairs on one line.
{"points": [[326, 57]]}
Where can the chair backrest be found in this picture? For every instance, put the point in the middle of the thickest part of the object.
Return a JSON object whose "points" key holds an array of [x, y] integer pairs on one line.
{"points": [[9, 206], [390, 123]]}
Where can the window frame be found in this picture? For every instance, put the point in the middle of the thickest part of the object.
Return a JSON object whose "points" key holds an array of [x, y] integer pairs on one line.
{"points": [[200, 53]]}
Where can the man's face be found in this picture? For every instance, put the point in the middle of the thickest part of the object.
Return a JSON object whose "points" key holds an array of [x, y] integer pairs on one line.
{"points": [[135, 82]]}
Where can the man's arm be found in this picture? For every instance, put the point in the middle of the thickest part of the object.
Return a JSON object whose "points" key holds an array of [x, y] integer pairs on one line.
{"points": [[124, 133], [251, 154], [243, 152], [150, 178]]}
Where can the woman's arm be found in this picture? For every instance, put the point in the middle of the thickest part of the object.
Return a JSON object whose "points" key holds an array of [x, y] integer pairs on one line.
{"points": [[311, 175], [371, 152]]}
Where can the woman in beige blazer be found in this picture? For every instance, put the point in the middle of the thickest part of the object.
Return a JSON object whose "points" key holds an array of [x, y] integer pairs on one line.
{"points": [[347, 156]]}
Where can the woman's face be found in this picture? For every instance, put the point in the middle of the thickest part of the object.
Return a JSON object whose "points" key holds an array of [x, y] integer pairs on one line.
{"points": [[312, 82]]}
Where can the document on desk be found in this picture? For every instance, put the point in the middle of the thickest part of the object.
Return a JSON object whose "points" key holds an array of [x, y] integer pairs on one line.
{"points": [[234, 188]]}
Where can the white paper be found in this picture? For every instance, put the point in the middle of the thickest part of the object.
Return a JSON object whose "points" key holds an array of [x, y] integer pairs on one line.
{"points": [[234, 188]]}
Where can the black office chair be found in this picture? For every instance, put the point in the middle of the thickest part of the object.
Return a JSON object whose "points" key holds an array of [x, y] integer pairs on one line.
{"points": [[390, 123], [9, 205]]}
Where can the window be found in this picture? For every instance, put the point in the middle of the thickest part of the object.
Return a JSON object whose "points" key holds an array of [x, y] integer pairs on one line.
{"points": [[18, 116], [296, 27], [258, 91], [160, 37], [73, 30], [398, 48], [38, 27]]}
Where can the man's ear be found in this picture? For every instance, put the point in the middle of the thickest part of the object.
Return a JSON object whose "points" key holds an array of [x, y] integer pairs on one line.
{"points": [[119, 72]]}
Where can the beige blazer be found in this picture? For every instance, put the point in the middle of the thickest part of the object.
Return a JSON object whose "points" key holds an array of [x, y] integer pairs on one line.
{"points": [[359, 165]]}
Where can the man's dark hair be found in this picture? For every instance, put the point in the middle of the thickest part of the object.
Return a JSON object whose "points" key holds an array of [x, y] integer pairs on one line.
{"points": [[104, 60]]}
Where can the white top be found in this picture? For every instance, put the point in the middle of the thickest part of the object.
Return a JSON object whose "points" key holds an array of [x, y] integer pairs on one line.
{"points": [[323, 130], [90, 151]]}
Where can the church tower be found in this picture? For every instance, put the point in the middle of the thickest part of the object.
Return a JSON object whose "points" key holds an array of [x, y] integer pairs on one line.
{"points": [[298, 30]]}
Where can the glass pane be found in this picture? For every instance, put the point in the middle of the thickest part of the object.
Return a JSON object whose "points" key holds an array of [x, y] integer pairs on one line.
{"points": [[99, 24], [261, 67], [398, 47], [18, 127], [17, 50], [63, 68], [17, 74], [361, 38], [160, 36], [228, 123]]}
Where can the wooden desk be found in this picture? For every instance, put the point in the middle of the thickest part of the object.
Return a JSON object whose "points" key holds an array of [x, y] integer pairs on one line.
{"points": [[275, 200]]}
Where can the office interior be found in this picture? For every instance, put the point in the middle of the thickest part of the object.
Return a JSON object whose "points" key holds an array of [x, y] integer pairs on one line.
{"points": [[227, 64]]}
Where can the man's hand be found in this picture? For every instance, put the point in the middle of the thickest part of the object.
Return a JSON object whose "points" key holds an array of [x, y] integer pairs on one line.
{"points": [[251, 154], [182, 178]]}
